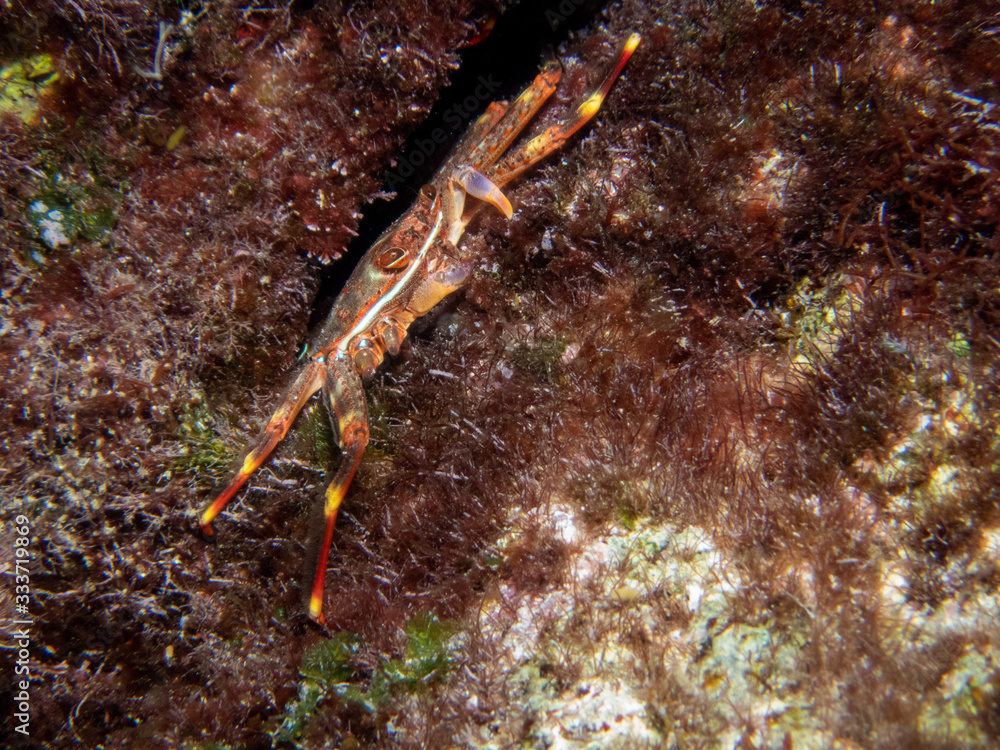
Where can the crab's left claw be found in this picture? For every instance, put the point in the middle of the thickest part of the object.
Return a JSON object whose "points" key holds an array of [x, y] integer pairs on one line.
{"points": [[478, 185]]}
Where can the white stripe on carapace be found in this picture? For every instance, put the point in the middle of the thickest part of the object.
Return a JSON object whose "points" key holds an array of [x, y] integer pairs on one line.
{"points": [[376, 309]]}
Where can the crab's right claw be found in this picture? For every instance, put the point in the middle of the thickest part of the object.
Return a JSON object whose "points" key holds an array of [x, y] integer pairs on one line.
{"points": [[478, 185]]}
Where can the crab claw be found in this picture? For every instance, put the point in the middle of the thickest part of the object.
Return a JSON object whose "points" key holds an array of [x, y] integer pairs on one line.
{"points": [[479, 186]]}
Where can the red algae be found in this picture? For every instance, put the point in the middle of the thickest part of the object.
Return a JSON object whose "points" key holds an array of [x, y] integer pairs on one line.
{"points": [[707, 450]]}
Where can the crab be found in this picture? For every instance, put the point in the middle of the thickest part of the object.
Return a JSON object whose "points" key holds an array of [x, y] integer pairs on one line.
{"points": [[407, 271]]}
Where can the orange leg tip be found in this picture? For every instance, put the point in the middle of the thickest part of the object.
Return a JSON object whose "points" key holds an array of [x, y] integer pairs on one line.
{"points": [[206, 529], [316, 609]]}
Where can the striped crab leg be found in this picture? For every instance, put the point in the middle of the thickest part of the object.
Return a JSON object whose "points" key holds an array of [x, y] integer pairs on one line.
{"points": [[306, 384], [345, 400], [542, 145]]}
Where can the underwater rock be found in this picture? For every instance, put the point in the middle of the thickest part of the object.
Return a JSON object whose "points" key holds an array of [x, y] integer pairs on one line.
{"points": [[706, 455]]}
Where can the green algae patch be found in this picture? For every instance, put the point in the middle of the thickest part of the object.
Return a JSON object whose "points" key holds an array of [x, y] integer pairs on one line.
{"points": [[326, 667], [329, 675], [315, 440], [329, 662], [427, 658], [203, 455], [23, 83], [298, 713]]}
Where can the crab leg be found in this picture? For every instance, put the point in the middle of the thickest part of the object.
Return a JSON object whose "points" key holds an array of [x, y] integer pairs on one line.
{"points": [[504, 125], [487, 120], [345, 398], [306, 384], [541, 146]]}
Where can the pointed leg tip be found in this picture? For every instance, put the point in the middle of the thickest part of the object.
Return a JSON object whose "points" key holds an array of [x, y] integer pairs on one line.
{"points": [[316, 609], [632, 43], [203, 530]]}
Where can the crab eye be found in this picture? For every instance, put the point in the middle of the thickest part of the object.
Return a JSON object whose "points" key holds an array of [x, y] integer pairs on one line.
{"points": [[428, 193], [393, 259]]}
